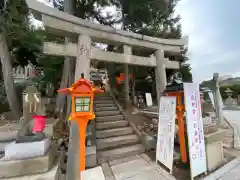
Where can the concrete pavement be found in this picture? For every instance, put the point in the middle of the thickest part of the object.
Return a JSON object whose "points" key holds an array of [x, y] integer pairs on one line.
{"points": [[50, 175], [93, 174], [230, 171], [139, 167]]}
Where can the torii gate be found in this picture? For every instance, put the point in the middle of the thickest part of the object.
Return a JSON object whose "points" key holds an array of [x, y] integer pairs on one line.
{"points": [[87, 32]]}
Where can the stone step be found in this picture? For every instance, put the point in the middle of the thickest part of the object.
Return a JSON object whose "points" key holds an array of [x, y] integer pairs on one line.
{"points": [[107, 113], [110, 118], [229, 133], [99, 98], [104, 102], [102, 94], [116, 141], [228, 142], [114, 132], [108, 125], [109, 155], [111, 108], [104, 105]]}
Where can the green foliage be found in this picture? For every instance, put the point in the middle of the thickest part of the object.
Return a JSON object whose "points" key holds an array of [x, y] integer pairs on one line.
{"points": [[185, 73], [23, 42], [52, 69], [50, 65], [154, 18], [151, 17], [235, 88], [89, 10], [207, 84], [29, 48], [4, 105]]}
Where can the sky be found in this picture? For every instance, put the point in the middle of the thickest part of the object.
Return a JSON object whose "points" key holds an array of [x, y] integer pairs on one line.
{"points": [[213, 28]]}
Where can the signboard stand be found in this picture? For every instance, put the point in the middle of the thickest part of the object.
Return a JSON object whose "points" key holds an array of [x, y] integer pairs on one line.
{"points": [[196, 144], [166, 129], [149, 99]]}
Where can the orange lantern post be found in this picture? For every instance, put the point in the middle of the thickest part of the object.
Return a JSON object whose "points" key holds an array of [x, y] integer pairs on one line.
{"points": [[176, 90], [82, 93]]}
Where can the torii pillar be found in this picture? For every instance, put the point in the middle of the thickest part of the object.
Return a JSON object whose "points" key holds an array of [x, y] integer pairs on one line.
{"points": [[127, 50], [82, 66], [160, 73]]}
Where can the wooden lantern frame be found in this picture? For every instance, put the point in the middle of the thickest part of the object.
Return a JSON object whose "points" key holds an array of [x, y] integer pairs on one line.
{"points": [[82, 88]]}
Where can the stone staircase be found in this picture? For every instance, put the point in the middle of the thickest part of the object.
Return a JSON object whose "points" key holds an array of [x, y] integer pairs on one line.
{"points": [[115, 138]]}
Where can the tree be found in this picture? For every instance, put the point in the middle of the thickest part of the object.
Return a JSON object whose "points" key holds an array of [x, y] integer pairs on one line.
{"points": [[154, 18], [185, 73], [50, 65], [21, 43], [14, 24]]}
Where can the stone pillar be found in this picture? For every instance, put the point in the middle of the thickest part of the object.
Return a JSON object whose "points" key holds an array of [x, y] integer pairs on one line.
{"points": [[218, 99], [82, 66], [26, 72], [83, 57], [127, 50], [160, 73]]}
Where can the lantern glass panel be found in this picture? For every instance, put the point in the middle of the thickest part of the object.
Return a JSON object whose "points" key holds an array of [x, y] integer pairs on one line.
{"points": [[82, 104]]}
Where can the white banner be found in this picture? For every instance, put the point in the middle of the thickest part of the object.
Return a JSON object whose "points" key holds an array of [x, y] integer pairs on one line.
{"points": [[166, 129], [196, 144]]}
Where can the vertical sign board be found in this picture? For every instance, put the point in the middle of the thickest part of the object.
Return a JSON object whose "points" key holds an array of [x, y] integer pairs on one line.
{"points": [[166, 129], [196, 144], [149, 99]]}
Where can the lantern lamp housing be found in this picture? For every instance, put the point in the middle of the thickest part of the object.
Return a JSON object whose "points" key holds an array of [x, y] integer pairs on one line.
{"points": [[82, 104]]}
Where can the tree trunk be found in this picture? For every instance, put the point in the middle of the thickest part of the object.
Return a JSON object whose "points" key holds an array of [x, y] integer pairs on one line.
{"points": [[60, 101], [70, 82], [8, 78]]}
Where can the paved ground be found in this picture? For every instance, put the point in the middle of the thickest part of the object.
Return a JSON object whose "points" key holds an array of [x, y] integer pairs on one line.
{"points": [[139, 167], [43, 176], [230, 171], [93, 174]]}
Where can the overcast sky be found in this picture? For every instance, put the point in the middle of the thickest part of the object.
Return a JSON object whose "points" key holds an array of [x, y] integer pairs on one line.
{"points": [[213, 27]]}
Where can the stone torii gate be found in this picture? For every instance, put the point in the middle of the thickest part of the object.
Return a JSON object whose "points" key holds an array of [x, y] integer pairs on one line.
{"points": [[86, 32]]}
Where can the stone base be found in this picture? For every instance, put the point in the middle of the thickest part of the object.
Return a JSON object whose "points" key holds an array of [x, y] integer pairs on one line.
{"points": [[50, 126], [8, 132], [20, 151], [149, 142], [217, 134], [3, 144], [237, 144], [91, 157], [228, 139], [214, 153], [30, 166], [52, 174]]}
